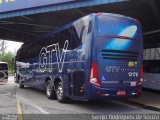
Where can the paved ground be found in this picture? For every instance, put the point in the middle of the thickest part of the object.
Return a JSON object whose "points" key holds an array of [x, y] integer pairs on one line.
{"points": [[8, 97], [149, 100], [35, 102]]}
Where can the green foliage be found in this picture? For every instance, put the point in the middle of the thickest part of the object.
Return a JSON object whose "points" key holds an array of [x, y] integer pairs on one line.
{"points": [[7, 57]]}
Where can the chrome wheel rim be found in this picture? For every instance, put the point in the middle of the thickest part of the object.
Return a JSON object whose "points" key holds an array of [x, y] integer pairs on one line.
{"points": [[59, 92]]}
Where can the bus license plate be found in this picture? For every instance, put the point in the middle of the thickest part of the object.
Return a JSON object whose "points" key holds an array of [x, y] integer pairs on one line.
{"points": [[121, 92]]}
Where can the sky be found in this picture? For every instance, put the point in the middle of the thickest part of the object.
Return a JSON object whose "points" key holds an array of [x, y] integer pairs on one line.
{"points": [[13, 46]]}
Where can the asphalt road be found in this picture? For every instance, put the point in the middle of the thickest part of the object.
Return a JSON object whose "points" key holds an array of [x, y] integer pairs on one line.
{"points": [[33, 101], [8, 97]]}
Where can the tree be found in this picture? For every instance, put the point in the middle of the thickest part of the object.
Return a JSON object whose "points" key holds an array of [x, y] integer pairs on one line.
{"points": [[7, 57], [3, 47]]}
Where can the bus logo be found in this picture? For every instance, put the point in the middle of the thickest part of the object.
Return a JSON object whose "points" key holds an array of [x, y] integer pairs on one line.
{"points": [[46, 57], [112, 69], [132, 64]]}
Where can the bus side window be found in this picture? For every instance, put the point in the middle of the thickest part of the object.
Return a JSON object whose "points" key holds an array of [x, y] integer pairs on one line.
{"points": [[89, 27], [76, 41], [65, 35], [86, 29], [22, 53], [71, 35], [81, 29]]}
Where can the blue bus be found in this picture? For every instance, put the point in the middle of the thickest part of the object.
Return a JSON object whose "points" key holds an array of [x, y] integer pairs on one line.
{"points": [[96, 57]]}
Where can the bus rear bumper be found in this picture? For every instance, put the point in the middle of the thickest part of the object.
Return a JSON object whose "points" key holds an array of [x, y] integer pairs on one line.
{"points": [[98, 93]]}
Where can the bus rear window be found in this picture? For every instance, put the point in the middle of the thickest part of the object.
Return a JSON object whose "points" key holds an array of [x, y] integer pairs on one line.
{"points": [[118, 33], [118, 26]]}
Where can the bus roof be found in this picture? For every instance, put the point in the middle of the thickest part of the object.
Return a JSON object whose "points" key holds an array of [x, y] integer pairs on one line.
{"points": [[115, 15], [62, 27]]}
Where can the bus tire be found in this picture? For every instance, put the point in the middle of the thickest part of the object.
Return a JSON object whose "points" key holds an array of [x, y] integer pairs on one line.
{"points": [[21, 85], [59, 92], [50, 92]]}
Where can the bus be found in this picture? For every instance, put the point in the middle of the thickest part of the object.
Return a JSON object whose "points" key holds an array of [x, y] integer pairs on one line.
{"points": [[3, 72], [152, 62], [96, 57]]}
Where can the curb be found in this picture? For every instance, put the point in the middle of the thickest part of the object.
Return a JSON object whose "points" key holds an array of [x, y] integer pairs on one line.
{"points": [[149, 107]]}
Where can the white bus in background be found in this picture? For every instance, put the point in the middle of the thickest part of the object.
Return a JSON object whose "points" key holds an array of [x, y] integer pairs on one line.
{"points": [[152, 64]]}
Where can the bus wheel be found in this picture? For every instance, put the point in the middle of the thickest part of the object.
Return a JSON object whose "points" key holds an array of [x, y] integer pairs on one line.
{"points": [[50, 92], [60, 93], [21, 85]]}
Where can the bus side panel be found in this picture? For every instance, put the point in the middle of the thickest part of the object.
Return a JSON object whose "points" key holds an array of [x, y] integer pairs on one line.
{"points": [[69, 61], [79, 59]]}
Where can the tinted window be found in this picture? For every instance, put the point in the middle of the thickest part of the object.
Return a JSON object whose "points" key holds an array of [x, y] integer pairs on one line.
{"points": [[152, 53], [76, 40], [110, 30], [32, 50], [80, 32], [74, 34], [21, 55], [65, 35], [151, 41], [152, 66], [90, 27], [3, 66]]}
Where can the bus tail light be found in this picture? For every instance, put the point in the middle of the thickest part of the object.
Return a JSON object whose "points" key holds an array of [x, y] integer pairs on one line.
{"points": [[94, 75], [139, 83]]}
